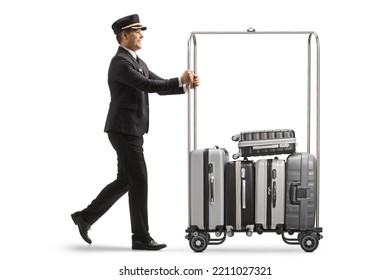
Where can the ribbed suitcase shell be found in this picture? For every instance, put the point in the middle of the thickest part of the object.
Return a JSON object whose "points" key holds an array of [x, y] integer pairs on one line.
{"points": [[207, 188], [270, 193], [301, 191], [265, 142]]}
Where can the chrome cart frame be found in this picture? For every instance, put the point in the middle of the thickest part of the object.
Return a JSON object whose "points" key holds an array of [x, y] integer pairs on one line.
{"points": [[193, 133]]}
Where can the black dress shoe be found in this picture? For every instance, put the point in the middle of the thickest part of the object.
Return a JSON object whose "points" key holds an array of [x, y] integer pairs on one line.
{"points": [[83, 226], [149, 245]]}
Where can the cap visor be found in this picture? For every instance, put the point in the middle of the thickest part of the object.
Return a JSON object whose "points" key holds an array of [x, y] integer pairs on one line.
{"points": [[138, 27]]}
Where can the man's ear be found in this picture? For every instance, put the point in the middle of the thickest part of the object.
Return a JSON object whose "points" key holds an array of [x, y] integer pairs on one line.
{"points": [[123, 35]]}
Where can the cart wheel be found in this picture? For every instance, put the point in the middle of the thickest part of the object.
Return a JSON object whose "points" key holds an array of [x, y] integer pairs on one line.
{"points": [[199, 243], [249, 233], [309, 242], [218, 233], [230, 233]]}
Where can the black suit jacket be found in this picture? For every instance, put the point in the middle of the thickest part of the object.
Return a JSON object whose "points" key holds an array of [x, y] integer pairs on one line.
{"points": [[130, 82]]}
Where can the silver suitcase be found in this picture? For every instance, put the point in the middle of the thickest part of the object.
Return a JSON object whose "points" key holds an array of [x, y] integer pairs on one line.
{"points": [[301, 191], [269, 194], [207, 188]]}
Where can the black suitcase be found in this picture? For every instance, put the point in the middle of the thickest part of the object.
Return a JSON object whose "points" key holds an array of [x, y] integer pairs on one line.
{"points": [[240, 197]]}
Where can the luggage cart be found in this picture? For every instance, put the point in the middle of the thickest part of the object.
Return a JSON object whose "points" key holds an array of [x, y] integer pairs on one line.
{"points": [[308, 239]]}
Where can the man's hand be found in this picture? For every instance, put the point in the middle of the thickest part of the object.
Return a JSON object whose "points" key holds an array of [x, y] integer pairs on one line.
{"points": [[195, 81], [187, 77]]}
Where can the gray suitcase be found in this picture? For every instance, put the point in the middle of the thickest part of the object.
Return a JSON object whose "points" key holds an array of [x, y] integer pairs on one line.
{"points": [[269, 194], [207, 188], [301, 191], [265, 142]]}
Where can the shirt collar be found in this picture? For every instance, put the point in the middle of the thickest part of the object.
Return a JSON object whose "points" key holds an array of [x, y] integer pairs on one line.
{"points": [[131, 52]]}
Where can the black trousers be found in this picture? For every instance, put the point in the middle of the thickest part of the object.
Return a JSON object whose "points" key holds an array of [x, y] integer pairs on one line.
{"points": [[131, 179]]}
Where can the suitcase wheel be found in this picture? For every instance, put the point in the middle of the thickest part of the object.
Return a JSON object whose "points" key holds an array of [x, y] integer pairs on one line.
{"points": [[259, 229], [199, 242], [308, 242]]}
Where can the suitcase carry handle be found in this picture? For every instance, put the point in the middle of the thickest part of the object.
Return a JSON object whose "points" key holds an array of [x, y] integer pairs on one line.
{"points": [[296, 192], [212, 190], [293, 193], [311, 75], [243, 194], [274, 195]]}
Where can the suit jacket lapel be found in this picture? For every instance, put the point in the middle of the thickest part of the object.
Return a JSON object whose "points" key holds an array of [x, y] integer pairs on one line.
{"points": [[138, 66]]}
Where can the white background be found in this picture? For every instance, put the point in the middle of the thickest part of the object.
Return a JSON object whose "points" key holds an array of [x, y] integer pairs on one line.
{"points": [[55, 157]]}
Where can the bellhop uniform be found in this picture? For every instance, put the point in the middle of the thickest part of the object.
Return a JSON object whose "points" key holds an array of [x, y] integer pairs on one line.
{"points": [[130, 81]]}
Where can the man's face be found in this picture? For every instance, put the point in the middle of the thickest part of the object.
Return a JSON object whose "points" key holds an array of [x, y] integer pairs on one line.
{"points": [[132, 40]]}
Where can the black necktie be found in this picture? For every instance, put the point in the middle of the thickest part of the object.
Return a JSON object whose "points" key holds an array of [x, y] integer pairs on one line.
{"points": [[140, 67]]}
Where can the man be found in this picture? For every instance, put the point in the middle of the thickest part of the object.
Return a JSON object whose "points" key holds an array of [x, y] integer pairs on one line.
{"points": [[130, 81]]}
